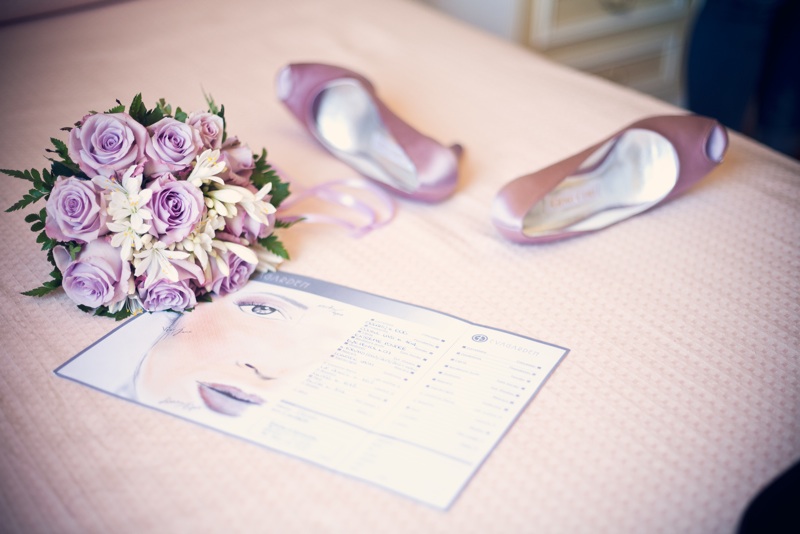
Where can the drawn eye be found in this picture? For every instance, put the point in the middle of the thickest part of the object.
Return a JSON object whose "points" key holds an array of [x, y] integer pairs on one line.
{"points": [[262, 310]]}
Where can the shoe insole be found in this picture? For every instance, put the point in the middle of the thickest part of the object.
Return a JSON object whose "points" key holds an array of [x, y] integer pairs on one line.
{"points": [[623, 177], [349, 125]]}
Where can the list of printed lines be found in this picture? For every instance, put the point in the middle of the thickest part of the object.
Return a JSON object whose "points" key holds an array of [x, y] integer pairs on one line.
{"points": [[405, 382]]}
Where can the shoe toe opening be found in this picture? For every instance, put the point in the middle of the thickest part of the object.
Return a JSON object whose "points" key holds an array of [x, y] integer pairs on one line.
{"points": [[717, 144]]}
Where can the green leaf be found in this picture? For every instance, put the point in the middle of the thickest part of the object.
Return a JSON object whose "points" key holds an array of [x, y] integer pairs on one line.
{"points": [[221, 115], [122, 314], [273, 244], [280, 192], [24, 175], [29, 198], [181, 115], [74, 249], [147, 117], [24, 201], [153, 116], [61, 148], [42, 185], [102, 311], [47, 243], [49, 180], [212, 106], [166, 109], [48, 286], [219, 111], [264, 174], [58, 168], [279, 223], [137, 109], [65, 167], [119, 108], [52, 284], [38, 220], [55, 274], [40, 291], [37, 179]]}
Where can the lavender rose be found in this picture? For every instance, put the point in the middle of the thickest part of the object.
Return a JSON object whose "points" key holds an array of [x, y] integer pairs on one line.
{"points": [[239, 162], [106, 143], [210, 128], [240, 272], [76, 211], [97, 277], [166, 295], [172, 147], [244, 226], [177, 206]]}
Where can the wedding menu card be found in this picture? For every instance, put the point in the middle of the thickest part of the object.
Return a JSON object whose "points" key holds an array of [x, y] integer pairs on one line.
{"points": [[401, 396]]}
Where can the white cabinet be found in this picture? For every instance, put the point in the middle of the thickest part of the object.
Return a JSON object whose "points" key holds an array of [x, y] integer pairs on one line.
{"points": [[637, 43]]}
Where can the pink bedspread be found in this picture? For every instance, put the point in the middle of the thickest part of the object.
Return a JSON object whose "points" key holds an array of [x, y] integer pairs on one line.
{"points": [[679, 400]]}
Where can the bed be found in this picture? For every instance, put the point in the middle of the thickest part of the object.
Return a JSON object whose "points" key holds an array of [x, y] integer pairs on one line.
{"points": [[679, 399]]}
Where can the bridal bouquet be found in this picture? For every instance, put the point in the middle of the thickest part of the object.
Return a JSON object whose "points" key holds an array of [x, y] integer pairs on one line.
{"points": [[150, 210]]}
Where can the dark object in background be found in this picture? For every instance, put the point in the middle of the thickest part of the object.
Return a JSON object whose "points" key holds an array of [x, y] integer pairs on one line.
{"points": [[776, 509], [744, 69]]}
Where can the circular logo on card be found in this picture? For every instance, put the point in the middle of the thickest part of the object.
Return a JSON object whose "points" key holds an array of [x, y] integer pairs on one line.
{"points": [[479, 338]]}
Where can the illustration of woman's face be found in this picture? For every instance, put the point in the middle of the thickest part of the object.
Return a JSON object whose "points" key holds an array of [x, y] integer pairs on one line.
{"points": [[228, 355]]}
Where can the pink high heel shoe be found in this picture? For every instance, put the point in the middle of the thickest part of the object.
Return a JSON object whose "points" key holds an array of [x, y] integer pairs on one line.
{"points": [[342, 111], [641, 166]]}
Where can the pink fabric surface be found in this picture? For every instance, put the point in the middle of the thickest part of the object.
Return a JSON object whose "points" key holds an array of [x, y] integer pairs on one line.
{"points": [[679, 400]]}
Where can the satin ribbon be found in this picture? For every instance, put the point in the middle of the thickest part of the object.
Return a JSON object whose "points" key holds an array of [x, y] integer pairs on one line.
{"points": [[375, 214]]}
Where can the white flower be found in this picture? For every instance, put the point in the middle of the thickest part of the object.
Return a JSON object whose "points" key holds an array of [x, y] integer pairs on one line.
{"points": [[131, 302], [199, 243], [223, 200], [128, 201], [127, 238], [267, 261], [107, 182], [263, 191], [155, 261], [117, 306], [128, 179], [254, 204], [129, 222], [245, 253], [207, 168], [135, 305]]}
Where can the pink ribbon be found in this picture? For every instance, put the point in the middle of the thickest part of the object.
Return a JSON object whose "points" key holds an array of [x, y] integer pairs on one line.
{"points": [[375, 213]]}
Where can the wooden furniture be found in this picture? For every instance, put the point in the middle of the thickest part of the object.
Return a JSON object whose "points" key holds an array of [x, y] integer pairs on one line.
{"points": [[636, 43]]}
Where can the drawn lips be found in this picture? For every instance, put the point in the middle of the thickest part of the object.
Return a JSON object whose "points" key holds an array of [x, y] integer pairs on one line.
{"points": [[227, 400]]}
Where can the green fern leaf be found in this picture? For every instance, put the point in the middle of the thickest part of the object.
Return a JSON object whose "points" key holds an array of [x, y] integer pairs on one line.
{"points": [[274, 245]]}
